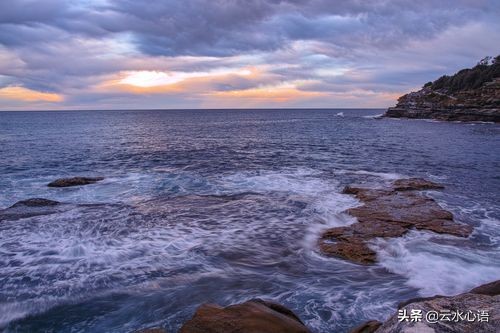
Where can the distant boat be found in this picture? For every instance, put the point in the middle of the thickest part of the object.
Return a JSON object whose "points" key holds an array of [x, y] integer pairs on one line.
{"points": [[340, 114]]}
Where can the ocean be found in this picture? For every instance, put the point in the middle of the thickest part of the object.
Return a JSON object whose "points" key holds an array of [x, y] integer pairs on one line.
{"points": [[223, 206]]}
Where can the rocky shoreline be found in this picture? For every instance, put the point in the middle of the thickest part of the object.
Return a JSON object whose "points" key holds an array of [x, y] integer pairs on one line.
{"points": [[474, 311], [469, 95], [386, 211]]}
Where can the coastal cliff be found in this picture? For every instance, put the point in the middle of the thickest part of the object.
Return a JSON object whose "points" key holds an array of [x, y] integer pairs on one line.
{"points": [[469, 95]]}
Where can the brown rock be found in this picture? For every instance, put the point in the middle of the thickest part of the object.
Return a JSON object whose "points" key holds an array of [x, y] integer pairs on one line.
{"points": [[483, 298], [35, 202], [367, 327], [75, 181], [417, 299], [444, 100], [416, 184], [476, 303], [255, 316], [352, 249], [491, 289], [29, 208], [388, 212]]}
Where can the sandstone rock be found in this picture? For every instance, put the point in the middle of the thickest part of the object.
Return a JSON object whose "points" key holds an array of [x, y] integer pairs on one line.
{"points": [[75, 181], [491, 289], [481, 104], [255, 316], [367, 327], [480, 300], [388, 212]]}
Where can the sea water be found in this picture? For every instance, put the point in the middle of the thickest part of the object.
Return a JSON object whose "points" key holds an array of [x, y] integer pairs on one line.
{"points": [[223, 206]]}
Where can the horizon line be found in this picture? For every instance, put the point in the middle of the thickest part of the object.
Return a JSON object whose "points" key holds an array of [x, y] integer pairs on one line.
{"points": [[191, 109]]}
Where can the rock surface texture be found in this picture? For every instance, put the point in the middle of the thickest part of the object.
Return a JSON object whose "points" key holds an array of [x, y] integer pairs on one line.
{"points": [[75, 181], [472, 306], [367, 327], [469, 95], [259, 316], [255, 316], [388, 212]]}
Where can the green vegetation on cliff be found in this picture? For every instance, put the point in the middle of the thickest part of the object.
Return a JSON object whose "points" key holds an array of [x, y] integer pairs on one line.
{"points": [[472, 94], [470, 78]]}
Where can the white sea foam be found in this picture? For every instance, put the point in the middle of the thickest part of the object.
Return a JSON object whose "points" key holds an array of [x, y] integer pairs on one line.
{"points": [[299, 181], [437, 268], [326, 204], [375, 116], [323, 195], [75, 255], [383, 175]]}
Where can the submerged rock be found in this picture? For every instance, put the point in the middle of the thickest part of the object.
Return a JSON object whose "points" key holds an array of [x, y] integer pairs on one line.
{"points": [[29, 208], [152, 330], [255, 316], [475, 311], [74, 181], [415, 184], [35, 202], [388, 212]]}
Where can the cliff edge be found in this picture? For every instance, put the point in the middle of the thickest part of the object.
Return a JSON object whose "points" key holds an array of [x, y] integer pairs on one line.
{"points": [[472, 94]]}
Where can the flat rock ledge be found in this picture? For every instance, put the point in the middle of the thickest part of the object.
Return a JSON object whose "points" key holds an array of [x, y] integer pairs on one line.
{"points": [[255, 316], [74, 181], [390, 211], [473, 305]]}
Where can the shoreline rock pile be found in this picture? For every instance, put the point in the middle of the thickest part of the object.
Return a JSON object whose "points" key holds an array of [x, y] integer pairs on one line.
{"points": [[389, 211], [258, 316]]}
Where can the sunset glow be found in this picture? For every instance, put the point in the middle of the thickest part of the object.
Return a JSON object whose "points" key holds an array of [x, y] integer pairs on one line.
{"points": [[155, 78], [28, 95], [181, 54]]}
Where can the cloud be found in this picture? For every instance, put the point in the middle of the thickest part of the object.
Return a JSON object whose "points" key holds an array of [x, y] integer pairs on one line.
{"points": [[28, 95], [171, 53]]}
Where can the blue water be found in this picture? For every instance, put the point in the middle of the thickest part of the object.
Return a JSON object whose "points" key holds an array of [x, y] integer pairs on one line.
{"points": [[226, 205]]}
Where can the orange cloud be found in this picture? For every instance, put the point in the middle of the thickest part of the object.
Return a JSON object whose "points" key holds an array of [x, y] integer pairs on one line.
{"points": [[28, 95], [159, 82], [282, 93]]}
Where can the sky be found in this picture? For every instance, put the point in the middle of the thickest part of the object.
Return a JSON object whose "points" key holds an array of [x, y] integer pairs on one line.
{"points": [[129, 54]]}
